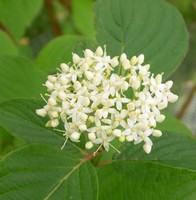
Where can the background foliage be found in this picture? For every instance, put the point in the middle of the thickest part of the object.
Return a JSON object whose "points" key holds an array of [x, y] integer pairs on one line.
{"points": [[35, 37]]}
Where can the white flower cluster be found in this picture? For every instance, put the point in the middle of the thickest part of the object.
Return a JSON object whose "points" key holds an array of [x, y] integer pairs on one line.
{"points": [[106, 98]]}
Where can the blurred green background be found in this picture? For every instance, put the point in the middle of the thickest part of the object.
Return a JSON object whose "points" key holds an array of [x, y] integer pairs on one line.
{"points": [[59, 17]]}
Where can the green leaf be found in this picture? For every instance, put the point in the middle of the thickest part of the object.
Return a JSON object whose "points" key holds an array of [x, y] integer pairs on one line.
{"points": [[153, 27], [19, 118], [145, 180], [47, 173], [19, 78], [7, 46], [83, 16], [56, 52], [173, 149], [18, 15], [172, 124]]}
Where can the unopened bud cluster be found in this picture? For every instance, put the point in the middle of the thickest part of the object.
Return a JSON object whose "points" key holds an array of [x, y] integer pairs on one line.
{"points": [[107, 98]]}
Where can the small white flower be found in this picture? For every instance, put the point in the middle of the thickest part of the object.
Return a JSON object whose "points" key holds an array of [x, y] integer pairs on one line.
{"points": [[89, 97]]}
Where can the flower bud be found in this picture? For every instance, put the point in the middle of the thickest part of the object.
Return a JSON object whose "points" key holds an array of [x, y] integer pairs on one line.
{"points": [[122, 138], [172, 97], [61, 95], [114, 62], [160, 118], [52, 101], [88, 53], [140, 59], [54, 123], [123, 57], [88, 145], [49, 85], [91, 119], [129, 138], [75, 136], [89, 75], [157, 133], [85, 67], [76, 59], [83, 117], [63, 80], [147, 148], [91, 136], [133, 60], [41, 112], [77, 85], [54, 114], [99, 51], [82, 127], [64, 67], [52, 78], [169, 84], [126, 64]]}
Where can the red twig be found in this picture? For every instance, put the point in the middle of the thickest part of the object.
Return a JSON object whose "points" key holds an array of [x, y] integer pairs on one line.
{"points": [[54, 22], [186, 103], [3, 28], [66, 4]]}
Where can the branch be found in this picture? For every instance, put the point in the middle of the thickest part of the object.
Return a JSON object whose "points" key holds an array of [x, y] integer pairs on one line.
{"points": [[53, 20], [186, 103], [67, 5], [4, 29]]}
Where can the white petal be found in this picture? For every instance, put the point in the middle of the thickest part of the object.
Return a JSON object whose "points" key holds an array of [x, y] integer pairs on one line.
{"points": [[126, 132], [82, 127], [129, 138], [124, 124], [97, 141], [119, 105], [87, 110], [117, 132]]}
